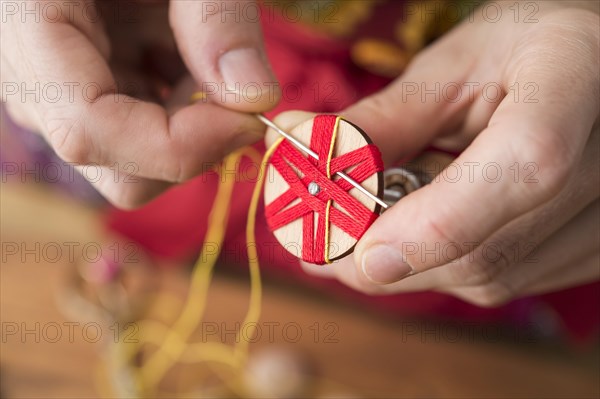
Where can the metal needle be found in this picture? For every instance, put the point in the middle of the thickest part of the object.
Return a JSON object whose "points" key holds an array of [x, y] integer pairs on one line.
{"points": [[313, 154]]}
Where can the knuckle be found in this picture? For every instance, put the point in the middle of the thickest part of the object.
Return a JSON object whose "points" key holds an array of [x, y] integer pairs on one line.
{"points": [[491, 263], [67, 139], [551, 155], [180, 164], [178, 172], [434, 227], [483, 266], [127, 195], [123, 198], [182, 169], [490, 295], [474, 273], [438, 228]]}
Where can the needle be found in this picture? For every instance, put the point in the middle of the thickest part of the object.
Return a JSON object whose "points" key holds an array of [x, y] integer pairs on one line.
{"points": [[313, 154]]}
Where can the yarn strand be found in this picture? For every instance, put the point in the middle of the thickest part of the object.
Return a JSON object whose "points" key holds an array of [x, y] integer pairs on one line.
{"points": [[173, 343]]}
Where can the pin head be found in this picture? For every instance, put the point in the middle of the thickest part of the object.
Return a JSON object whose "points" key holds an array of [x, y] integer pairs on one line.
{"points": [[313, 188]]}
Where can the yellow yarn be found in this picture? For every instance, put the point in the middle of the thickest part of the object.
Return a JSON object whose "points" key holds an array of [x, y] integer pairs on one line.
{"points": [[328, 205], [198, 96], [172, 343]]}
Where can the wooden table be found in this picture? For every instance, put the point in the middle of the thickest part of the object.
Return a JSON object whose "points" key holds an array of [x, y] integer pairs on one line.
{"points": [[366, 357]]}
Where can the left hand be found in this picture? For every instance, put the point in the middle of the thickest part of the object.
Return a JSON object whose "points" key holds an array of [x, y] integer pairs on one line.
{"points": [[522, 218]]}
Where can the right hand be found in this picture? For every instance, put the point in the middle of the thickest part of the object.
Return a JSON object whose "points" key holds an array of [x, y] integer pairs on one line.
{"points": [[87, 121]]}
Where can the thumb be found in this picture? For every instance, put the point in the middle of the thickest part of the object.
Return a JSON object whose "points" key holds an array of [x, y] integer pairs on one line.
{"points": [[222, 46], [425, 102]]}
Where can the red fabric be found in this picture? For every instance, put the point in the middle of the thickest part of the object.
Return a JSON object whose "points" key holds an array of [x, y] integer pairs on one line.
{"points": [[317, 75]]}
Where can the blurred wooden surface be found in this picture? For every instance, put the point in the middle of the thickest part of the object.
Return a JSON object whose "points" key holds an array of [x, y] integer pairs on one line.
{"points": [[368, 357]]}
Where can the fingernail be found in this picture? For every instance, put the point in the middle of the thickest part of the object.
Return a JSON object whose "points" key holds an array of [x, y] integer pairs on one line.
{"points": [[383, 264], [245, 71]]}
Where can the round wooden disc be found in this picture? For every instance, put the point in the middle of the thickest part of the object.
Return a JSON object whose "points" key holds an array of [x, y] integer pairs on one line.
{"points": [[349, 137]]}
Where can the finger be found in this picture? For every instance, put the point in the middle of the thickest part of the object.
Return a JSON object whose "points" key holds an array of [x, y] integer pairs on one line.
{"points": [[180, 95], [549, 135], [117, 186], [579, 272], [561, 254], [512, 245], [92, 124], [567, 258], [516, 243], [120, 183], [423, 103], [223, 48], [173, 149], [345, 272], [85, 15], [519, 239], [22, 22], [122, 188]]}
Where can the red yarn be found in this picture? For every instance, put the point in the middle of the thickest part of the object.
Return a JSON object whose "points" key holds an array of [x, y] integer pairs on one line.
{"points": [[355, 218]]}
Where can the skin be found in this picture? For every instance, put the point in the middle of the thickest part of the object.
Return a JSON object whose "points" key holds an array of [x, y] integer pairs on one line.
{"points": [[166, 139], [545, 230], [552, 220]]}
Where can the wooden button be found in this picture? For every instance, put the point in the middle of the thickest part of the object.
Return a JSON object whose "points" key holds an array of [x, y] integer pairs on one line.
{"points": [[347, 139]]}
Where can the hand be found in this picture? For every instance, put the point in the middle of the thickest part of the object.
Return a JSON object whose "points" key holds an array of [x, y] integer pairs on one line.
{"points": [[75, 71], [522, 216]]}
